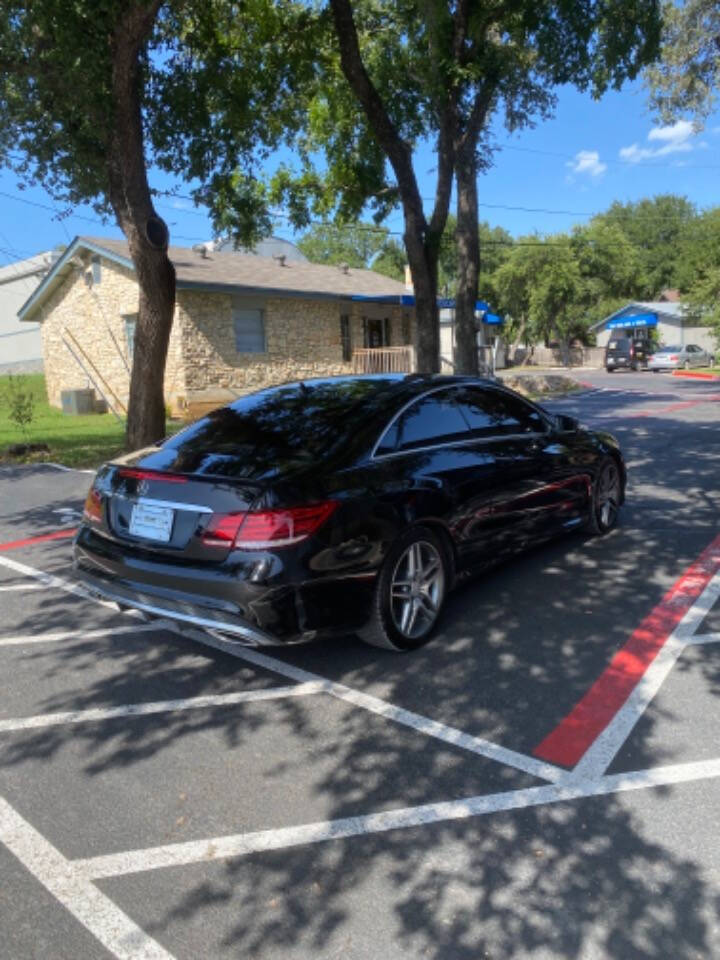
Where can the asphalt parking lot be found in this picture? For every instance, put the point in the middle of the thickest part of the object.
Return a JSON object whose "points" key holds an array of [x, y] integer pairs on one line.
{"points": [[541, 781]]}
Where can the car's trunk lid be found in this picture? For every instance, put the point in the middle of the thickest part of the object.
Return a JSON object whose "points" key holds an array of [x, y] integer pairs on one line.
{"points": [[171, 513]]}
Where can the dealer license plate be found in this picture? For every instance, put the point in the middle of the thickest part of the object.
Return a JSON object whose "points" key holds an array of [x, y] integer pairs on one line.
{"points": [[150, 522]]}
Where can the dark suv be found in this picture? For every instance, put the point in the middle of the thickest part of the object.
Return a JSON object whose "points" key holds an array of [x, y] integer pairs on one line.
{"points": [[622, 353]]}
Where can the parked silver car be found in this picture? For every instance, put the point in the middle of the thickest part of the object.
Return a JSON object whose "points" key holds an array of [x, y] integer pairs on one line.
{"points": [[680, 358]]}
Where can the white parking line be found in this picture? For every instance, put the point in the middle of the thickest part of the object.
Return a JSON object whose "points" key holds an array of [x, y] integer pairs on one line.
{"points": [[71, 886], [81, 634], [9, 588], [701, 638], [239, 845], [96, 714], [431, 728], [49, 580], [604, 749], [440, 731]]}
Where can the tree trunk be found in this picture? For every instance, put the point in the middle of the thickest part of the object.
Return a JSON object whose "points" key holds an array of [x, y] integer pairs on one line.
{"points": [[422, 240], [467, 234], [146, 233], [468, 248]]}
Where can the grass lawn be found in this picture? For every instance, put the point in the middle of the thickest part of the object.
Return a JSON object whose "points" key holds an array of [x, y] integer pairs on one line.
{"points": [[82, 441]]}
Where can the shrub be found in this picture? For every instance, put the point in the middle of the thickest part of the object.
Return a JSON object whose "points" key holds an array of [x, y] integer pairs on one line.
{"points": [[20, 401]]}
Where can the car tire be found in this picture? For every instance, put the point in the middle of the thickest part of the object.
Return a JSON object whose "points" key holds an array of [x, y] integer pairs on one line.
{"points": [[605, 498], [406, 605], [610, 369]]}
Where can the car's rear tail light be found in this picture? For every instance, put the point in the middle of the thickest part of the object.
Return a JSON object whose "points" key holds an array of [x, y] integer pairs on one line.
{"points": [[92, 511], [222, 529], [133, 473], [267, 528], [673, 358], [632, 350]]}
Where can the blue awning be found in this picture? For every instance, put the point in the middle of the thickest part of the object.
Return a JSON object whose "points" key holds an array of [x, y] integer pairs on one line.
{"points": [[636, 320], [492, 318], [408, 300]]}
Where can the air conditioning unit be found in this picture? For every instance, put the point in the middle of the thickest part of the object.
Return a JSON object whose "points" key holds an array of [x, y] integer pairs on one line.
{"points": [[78, 401]]}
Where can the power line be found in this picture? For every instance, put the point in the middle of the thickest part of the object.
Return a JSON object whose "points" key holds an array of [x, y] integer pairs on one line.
{"points": [[615, 163]]}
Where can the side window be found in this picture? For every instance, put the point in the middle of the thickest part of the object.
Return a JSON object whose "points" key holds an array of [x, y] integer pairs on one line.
{"points": [[249, 328], [96, 270], [431, 420], [492, 413]]}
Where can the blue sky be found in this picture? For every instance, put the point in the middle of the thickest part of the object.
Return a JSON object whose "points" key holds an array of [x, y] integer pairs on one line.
{"points": [[544, 179]]}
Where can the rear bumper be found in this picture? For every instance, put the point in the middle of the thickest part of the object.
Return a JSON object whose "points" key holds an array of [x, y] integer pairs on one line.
{"points": [[180, 609], [237, 599]]}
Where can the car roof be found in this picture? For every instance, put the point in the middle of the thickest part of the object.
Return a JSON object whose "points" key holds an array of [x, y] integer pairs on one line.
{"points": [[393, 383]]}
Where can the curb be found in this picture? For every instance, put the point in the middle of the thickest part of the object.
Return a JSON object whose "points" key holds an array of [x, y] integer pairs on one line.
{"points": [[695, 375]]}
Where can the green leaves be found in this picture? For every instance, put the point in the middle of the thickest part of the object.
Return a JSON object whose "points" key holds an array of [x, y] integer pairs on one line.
{"points": [[684, 80]]}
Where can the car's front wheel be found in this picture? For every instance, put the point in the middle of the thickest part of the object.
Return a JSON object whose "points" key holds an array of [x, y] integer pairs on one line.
{"points": [[409, 594], [606, 497]]}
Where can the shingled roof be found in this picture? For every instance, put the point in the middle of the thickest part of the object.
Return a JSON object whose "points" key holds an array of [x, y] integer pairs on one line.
{"points": [[235, 272]]}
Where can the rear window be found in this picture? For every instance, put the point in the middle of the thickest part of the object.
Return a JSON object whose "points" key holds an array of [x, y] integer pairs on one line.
{"points": [[619, 343], [677, 349], [298, 422]]}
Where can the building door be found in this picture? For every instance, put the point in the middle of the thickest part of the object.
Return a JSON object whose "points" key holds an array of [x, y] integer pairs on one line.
{"points": [[375, 332]]}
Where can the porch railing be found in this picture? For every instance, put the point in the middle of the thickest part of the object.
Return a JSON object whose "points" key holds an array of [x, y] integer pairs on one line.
{"points": [[384, 360]]}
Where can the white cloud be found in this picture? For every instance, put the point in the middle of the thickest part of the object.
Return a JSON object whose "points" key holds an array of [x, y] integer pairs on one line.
{"points": [[674, 133], [675, 138], [587, 161]]}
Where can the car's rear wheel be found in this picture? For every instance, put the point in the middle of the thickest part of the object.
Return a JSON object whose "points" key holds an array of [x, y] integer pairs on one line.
{"points": [[606, 496], [410, 592]]}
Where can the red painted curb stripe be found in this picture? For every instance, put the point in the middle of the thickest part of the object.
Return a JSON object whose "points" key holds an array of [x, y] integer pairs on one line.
{"points": [[567, 743], [695, 376], [58, 535]]}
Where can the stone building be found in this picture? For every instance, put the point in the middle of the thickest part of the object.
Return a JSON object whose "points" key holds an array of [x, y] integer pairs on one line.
{"points": [[241, 322]]}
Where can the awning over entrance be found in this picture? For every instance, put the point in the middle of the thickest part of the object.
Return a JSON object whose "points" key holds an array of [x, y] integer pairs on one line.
{"points": [[638, 320], [444, 303]]}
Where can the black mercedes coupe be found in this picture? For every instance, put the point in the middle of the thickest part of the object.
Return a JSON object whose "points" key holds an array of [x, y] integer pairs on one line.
{"points": [[341, 505]]}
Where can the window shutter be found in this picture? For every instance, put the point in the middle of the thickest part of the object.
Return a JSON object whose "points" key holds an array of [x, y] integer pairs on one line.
{"points": [[345, 338]]}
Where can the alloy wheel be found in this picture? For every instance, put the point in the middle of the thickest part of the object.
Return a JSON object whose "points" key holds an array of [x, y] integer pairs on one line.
{"points": [[607, 496], [417, 589]]}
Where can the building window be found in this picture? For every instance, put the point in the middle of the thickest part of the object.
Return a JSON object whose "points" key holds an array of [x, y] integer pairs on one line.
{"points": [[96, 270], [130, 325], [249, 327], [345, 338]]}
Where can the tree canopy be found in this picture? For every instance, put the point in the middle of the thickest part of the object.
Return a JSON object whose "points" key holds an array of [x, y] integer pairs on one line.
{"points": [[684, 79], [93, 93]]}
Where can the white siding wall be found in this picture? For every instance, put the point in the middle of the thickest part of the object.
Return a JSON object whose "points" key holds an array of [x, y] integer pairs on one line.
{"points": [[19, 342]]}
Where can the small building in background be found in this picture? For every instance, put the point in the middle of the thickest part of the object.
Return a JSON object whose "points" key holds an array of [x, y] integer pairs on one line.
{"points": [[669, 319], [20, 343], [242, 321]]}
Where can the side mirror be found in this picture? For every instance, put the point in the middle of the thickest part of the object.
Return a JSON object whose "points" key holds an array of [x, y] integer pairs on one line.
{"points": [[567, 424]]}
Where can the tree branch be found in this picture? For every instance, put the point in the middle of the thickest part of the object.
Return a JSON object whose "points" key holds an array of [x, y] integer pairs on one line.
{"points": [[395, 148]]}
